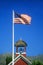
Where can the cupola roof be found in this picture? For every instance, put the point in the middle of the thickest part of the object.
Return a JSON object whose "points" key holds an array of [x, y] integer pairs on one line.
{"points": [[20, 43]]}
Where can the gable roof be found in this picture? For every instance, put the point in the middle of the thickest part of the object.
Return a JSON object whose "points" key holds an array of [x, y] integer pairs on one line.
{"points": [[20, 57]]}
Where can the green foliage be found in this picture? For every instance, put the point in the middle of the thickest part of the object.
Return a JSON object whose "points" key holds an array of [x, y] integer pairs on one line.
{"points": [[2, 60], [37, 62], [8, 60], [34, 63]]}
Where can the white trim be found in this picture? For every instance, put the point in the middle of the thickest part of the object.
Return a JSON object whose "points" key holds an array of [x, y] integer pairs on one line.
{"points": [[24, 53], [21, 53], [18, 57], [17, 53], [16, 60]]}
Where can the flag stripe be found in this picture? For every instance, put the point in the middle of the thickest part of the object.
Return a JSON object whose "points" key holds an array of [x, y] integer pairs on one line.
{"points": [[23, 19], [19, 20], [26, 18]]}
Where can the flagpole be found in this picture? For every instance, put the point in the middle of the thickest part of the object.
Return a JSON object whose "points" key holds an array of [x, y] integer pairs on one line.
{"points": [[13, 39]]}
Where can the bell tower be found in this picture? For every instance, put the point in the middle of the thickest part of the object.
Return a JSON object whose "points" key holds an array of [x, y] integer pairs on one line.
{"points": [[20, 47]]}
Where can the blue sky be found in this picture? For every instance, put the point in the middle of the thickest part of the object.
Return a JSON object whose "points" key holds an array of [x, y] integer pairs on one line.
{"points": [[32, 34]]}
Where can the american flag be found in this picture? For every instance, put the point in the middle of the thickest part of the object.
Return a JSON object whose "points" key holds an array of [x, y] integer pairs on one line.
{"points": [[22, 19]]}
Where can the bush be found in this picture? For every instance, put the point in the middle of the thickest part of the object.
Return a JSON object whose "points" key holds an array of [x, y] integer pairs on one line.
{"points": [[8, 60]]}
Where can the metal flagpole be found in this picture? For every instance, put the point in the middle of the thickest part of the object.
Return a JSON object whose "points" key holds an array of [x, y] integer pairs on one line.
{"points": [[13, 39]]}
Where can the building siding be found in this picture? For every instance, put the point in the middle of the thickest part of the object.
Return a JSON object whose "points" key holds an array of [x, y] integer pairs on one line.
{"points": [[20, 62]]}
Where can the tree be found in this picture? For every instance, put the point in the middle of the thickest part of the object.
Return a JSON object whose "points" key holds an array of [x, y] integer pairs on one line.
{"points": [[34, 63], [37, 63], [8, 60]]}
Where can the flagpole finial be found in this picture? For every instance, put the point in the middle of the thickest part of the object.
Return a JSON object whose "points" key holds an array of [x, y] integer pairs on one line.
{"points": [[20, 38]]}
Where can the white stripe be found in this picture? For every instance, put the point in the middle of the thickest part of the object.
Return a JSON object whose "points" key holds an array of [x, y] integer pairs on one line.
{"points": [[19, 20]]}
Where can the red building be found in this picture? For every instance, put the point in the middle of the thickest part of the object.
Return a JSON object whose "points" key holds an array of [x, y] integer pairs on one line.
{"points": [[21, 58]]}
